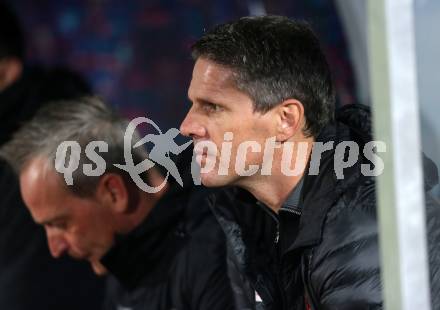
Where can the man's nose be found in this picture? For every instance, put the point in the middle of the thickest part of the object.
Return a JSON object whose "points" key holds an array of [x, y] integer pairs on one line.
{"points": [[192, 126], [57, 245]]}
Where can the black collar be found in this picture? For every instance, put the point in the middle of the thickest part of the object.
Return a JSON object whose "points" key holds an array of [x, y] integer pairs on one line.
{"points": [[321, 191], [151, 246], [292, 203]]}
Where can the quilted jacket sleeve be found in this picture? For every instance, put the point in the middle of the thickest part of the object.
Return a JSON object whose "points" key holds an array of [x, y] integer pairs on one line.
{"points": [[345, 267]]}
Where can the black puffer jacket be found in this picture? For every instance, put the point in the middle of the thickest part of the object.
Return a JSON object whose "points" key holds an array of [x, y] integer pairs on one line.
{"points": [[327, 256], [176, 259]]}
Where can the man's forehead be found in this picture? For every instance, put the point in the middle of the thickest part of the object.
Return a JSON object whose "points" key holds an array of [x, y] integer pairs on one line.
{"points": [[210, 69], [36, 174], [40, 189], [207, 72], [210, 80]]}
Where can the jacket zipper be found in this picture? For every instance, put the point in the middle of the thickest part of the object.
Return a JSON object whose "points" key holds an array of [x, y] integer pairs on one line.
{"points": [[307, 259], [277, 254], [277, 235], [296, 212], [275, 218]]}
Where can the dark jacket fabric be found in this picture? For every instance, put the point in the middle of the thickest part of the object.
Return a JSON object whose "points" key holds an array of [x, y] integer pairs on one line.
{"points": [[326, 256], [176, 259], [29, 277]]}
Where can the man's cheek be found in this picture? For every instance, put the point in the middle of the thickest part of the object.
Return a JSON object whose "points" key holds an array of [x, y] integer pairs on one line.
{"points": [[79, 249]]}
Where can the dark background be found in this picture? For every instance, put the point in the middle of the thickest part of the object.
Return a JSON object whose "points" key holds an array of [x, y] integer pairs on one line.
{"points": [[136, 53]]}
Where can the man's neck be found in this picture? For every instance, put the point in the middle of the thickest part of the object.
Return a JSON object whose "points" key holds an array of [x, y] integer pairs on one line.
{"points": [[273, 190], [144, 206]]}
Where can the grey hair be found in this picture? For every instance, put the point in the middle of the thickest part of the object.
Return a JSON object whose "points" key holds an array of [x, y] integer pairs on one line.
{"points": [[82, 120]]}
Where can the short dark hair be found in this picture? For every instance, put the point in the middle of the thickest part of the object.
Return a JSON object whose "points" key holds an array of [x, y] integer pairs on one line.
{"points": [[274, 59], [11, 34]]}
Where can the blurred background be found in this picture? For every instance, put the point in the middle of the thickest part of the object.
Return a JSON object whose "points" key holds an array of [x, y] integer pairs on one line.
{"points": [[136, 53]]}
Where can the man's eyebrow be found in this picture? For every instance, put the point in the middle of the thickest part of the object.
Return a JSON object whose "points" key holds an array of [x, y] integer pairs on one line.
{"points": [[51, 220], [203, 101]]}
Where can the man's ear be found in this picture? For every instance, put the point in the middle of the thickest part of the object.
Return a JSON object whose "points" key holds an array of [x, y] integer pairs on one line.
{"points": [[112, 191], [290, 119], [10, 71]]}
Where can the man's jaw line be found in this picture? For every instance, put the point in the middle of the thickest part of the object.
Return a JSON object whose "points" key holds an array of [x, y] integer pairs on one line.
{"points": [[98, 268]]}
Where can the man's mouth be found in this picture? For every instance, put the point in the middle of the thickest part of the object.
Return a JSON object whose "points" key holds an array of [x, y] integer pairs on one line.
{"points": [[201, 158], [204, 153], [78, 255]]}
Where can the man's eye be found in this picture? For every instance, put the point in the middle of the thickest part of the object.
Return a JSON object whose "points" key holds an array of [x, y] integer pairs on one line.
{"points": [[61, 225], [58, 225], [211, 107]]}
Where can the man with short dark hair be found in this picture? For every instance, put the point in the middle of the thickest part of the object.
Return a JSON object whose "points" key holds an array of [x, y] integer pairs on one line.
{"points": [[262, 100]]}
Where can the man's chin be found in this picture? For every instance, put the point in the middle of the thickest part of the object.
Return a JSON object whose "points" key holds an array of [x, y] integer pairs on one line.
{"points": [[214, 180], [78, 256], [98, 268]]}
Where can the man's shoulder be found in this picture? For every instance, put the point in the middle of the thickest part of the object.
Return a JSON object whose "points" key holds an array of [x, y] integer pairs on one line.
{"points": [[347, 260], [198, 226], [200, 270], [351, 223], [357, 198]]}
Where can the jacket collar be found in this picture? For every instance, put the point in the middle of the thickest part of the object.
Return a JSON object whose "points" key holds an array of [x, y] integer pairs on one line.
{"points": [[321, 191], [151, 246], [292, 202], [249, 228]]}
